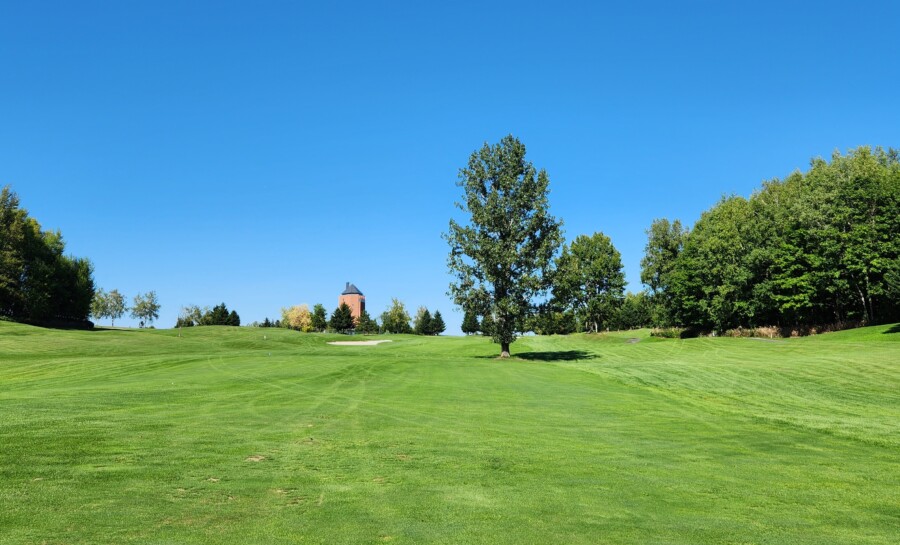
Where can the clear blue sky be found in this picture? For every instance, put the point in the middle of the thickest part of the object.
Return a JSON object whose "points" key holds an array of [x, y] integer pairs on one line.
{"points": [[261, 154]]}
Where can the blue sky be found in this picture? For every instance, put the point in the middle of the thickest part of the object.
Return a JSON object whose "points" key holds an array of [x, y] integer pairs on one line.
{"points": [[262, 154]]}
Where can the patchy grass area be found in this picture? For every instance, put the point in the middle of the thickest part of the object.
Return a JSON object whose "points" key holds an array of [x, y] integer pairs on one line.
{"points": [[224, 435]]}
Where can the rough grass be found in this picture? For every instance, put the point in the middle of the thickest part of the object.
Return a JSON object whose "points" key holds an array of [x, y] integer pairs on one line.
{"points": [[222, 435]]}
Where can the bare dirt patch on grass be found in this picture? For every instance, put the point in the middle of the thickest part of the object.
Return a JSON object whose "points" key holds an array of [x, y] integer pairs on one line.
{"points": [[255, 458]]}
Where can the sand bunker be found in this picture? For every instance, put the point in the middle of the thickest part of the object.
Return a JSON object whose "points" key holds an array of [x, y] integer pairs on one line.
{"points": [[358, 343]]}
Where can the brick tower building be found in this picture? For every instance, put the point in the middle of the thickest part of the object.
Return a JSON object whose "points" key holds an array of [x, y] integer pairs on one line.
{"points": [[354, 299]]}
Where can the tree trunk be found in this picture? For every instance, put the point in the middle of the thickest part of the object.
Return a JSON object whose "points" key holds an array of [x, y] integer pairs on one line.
{"points": [[504, 350]]}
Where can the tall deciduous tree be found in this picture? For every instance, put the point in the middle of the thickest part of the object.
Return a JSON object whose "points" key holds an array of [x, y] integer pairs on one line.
{"points": [[38, 282], [589, 278], [665, 241], [501, 258]]}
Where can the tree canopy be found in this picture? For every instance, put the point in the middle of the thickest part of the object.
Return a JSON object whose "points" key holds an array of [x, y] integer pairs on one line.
{"points": [[395, 319], [38, 282], [145, 308], [819, 247], [502, 256], [590, 279]]}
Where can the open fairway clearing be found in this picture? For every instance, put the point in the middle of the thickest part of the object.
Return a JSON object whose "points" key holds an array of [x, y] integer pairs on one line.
{"points": [[236, 435]]}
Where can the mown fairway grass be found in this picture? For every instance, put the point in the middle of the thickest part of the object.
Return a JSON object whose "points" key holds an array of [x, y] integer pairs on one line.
{"points": [[221, 436]]}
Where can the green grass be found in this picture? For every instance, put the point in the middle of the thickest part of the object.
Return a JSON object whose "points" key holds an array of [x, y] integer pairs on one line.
{"points": [[220, 435]]}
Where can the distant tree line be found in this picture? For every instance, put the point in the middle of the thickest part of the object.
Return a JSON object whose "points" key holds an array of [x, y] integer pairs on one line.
{"points": [[819, 247], [395, 319], [38, 282], [192, 315]]}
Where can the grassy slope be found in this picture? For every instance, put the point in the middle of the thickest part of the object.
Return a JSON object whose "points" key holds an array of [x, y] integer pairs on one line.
{"points": [[146, 437]]}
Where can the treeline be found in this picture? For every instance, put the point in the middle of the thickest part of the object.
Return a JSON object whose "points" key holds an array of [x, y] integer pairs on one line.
{"points": [[38, 282], [395, 319], [587, 293], [819, 249], [192, 315], [816, 248]]}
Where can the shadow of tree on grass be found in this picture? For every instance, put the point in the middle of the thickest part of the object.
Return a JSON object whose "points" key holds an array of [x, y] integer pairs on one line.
{"points": [[893, 329], [559, 355]]}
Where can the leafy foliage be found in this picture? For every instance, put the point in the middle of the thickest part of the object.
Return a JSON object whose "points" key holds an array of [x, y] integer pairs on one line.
{"points": [[664, 244], [297, 317], [502, 257], [145, 308], [319, 318], [395, 319], [590, 280], [815, 248], [38, 283]]}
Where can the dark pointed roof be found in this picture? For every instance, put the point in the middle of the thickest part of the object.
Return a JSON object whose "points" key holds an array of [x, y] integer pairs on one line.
{"points": [[351, 290]]}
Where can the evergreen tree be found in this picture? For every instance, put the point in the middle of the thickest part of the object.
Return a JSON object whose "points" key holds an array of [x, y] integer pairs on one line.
{"points": [[342, 319], [470, 324], [422, 322], [437, 324], [365, 324], [234, 319]]}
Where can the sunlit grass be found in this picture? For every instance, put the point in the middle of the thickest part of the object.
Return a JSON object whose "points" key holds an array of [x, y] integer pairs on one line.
{"points": [[239, 435]]}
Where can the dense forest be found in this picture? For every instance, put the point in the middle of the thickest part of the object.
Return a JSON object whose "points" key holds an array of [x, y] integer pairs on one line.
{"points": [[38, 282], [816, 248]]}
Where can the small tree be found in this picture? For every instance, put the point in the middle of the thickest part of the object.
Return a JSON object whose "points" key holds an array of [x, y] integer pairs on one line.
{"points": [[145, 308], [319, 318], [297, 317], [116, 305], [422, 322], [470, 324], [437, 323], [342, 319], [395, 319], [100, 305]]}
